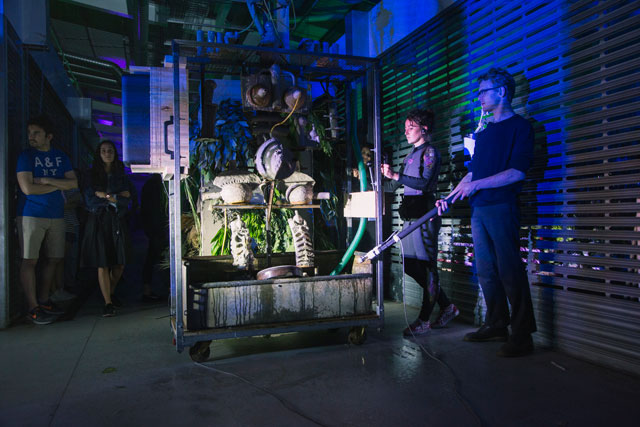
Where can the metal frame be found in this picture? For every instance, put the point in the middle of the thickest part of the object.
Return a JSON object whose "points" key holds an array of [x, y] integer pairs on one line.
{"points": [[4, 185], [184, 338]]}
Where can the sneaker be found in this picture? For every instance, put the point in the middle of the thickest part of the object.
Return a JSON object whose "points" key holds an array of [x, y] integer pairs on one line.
{"points": [[50, 307], [516, 347], [108, 311], [419, 327], [445, 316], [39, 317], [487, 333], [62, 295]]}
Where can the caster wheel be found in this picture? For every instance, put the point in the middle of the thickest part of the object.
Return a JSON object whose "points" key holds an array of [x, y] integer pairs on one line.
{"points": [[200, 351], [357, 335]]}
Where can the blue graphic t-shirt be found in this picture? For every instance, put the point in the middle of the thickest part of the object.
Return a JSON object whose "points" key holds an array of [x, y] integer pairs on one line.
{"points": [[51, 164]]}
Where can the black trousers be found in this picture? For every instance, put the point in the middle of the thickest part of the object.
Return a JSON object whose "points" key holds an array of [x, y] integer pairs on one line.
{"points": [[420, 262], [501, 272], [425, 273]]}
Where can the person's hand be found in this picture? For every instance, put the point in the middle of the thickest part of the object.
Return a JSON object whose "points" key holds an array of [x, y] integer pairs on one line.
{"points": [[112, 198], [41, 180], [464, 189], [101, 194], [442, 206], [124, 194], [388, 172]]}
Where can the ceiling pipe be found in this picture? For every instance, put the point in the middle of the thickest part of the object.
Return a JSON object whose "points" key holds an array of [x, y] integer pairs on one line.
{"points": [[141, 32], [91, 76], [98, 62], [101, 88], [85, 68]]}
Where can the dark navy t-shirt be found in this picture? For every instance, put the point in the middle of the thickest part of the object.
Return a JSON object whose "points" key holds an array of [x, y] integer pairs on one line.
{"points": [[504, 145], [52, 164]]}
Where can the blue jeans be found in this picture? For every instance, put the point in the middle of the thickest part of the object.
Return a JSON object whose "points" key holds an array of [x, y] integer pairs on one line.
{"points": [[501, 273]]}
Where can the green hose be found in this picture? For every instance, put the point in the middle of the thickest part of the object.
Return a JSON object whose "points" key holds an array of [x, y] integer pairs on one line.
{"points": [[363, 187]]}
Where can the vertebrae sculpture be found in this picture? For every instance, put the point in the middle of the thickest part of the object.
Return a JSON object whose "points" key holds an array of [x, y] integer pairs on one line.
{"points": [[241, 244], [301, 241]]}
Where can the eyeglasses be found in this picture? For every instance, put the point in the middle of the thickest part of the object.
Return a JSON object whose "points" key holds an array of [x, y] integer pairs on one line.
{"points": [[481, 92]]}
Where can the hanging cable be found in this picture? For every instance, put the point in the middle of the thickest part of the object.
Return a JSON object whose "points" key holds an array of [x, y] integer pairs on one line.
{"points": [[287, 118]]}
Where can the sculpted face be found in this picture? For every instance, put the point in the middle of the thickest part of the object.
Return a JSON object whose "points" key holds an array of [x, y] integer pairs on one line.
{"points": [[38, 138]]}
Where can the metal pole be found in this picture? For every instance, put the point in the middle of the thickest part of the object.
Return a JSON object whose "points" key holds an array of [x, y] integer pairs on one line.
{"points": [[349, 89], [5, 222], [374, 74], [176, 264]]}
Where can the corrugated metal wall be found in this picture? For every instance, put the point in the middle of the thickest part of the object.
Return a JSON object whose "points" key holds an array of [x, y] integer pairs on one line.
{"points": [[577, 66]]}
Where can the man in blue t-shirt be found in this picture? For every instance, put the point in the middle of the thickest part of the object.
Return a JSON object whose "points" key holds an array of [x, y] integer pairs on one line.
{"points": [[43, 172], [503, 154]]}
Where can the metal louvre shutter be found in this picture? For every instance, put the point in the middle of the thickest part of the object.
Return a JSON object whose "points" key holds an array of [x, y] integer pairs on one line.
{"points": [[577, 69]]}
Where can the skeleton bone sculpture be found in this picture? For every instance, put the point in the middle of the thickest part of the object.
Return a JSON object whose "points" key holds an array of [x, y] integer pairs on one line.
{"points": [[241, 244], [301, 241]]}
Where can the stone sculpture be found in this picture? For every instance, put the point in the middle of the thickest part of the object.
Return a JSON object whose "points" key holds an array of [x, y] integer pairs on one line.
{"points": [[299, 188], [274, 161], [301, 241], [233, 186], [241, 244]]}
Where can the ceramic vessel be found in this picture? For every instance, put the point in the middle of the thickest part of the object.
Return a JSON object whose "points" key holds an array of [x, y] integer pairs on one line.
{"points": [[233, 186], [299, 194], [236, 193], [274, 161], [299, 188]]}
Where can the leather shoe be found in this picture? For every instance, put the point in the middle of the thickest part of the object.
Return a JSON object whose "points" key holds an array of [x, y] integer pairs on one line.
{"points": [[487, 333]]}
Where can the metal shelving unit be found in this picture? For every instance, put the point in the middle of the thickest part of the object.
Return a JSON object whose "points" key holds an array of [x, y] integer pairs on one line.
{"points": [[231, 60]]}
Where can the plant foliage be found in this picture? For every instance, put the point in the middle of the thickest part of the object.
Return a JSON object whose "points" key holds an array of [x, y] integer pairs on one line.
{"points": [[231, 141]]}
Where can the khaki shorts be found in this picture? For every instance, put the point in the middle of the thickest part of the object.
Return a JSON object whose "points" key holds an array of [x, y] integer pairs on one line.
{"points": [[33, 232]]}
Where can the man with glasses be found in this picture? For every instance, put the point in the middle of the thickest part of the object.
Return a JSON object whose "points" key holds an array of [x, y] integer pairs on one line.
{"points": [[503, 154]]}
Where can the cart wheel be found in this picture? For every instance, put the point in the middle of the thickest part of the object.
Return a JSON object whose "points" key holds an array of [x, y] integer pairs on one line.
{"points": [[357, 335], [199, 352]]}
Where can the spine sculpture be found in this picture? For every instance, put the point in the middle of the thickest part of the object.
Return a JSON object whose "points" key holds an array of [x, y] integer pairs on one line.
{"points": [[241, 244], [301, 241]]}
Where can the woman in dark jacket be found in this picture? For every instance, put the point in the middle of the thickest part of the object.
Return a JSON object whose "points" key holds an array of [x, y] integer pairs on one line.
{"points": [[419, 176], [105, 241]]}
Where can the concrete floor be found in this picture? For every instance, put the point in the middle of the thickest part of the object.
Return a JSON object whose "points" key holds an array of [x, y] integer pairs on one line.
{"points": [[92, 371]]}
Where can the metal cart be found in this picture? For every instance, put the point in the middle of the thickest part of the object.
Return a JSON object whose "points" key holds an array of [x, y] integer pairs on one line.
{"points": [[347, 299]]}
